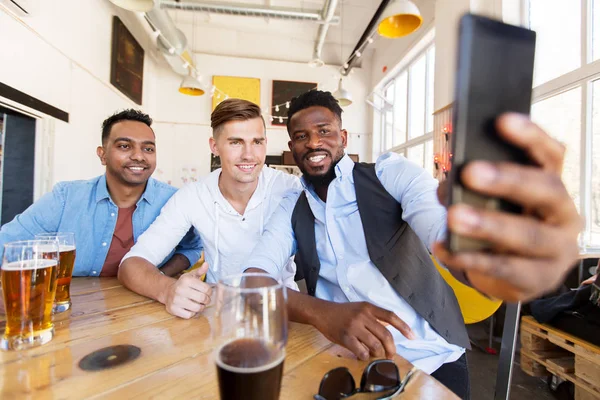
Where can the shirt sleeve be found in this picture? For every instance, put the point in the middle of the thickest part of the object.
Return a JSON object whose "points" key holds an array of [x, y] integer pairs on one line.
{"points": [[277, 243], [42, 216], [416, 191], [167, 230], [190, 246]]}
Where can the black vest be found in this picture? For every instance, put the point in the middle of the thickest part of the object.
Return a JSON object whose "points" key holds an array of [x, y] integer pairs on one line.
{"points": [[394, 248]]}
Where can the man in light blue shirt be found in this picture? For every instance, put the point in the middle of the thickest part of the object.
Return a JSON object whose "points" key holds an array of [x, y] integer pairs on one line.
{"points": [[108, 213], [358, 296]]}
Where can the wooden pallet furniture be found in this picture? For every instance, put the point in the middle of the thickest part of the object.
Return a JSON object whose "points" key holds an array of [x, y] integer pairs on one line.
{"points": [[546, 350]]}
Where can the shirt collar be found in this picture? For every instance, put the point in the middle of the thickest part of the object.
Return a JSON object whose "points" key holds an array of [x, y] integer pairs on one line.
{"points": [[102, 190], [343, 168]]}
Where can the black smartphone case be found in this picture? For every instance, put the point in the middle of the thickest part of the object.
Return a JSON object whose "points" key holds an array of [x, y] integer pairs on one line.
{"points": [[494, 76]]}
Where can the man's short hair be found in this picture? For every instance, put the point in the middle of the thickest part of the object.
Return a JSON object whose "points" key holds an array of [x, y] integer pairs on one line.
{"points": [[233, 110], [314, 98], [125, 115]]}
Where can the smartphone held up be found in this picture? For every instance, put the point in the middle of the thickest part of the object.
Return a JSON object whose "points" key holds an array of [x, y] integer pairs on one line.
{"points": [[494, 75]]}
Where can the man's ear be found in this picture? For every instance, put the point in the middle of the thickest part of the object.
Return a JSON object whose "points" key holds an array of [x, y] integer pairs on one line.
{"points": [[344, 135], [212, 143], [290, 145], [101, 154]]}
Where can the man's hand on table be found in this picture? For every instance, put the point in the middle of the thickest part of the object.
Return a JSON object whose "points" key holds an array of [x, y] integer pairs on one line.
{"points": [[188, 295], [360, 327]]}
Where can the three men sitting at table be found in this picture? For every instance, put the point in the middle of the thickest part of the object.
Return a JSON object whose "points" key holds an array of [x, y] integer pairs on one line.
{"points": [[108, 213]]}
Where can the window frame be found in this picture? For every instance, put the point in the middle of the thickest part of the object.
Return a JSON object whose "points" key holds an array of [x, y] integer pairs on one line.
{"points": [[382, 116], [582, 77]]}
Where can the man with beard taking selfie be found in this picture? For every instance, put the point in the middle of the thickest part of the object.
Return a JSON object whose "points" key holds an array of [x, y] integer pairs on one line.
{"points": [[362, 236]]}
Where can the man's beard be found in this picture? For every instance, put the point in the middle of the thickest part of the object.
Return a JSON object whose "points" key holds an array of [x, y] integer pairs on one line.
{"points": [[328, 177]]}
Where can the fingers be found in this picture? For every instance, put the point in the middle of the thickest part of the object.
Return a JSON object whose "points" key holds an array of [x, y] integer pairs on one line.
{"points": [[355, 346], [180, 312], [200, 271], [372, 343], [517, 234], [384, 338], [392, 319], [527, 186], [529, 277], [545, 151]]}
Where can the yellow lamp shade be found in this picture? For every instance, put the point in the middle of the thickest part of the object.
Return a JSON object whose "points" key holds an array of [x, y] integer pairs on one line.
{"points": [[191, 87], [401, 18]]}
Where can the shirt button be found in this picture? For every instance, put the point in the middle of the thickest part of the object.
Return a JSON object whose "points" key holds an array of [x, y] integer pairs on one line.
{"points": [[112, 214], [93, 272], [104, 244], [346, 289], [341, 256]]}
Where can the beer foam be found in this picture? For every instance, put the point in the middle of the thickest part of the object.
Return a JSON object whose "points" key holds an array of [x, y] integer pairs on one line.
{"points": [[251, 370], [46, 248], [26, 265], [65, 248]]}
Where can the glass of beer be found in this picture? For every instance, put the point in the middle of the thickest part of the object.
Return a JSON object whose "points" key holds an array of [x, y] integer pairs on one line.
{"points": [[66, 246], [28, 275], [251, 334]]}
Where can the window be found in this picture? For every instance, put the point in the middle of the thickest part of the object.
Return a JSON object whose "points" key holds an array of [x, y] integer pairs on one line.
{"points": [[409, 121], [558, 45], [566, 96]]}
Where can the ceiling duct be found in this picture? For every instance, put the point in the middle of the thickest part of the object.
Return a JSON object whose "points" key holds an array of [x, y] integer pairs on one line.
{"points": [[327, 16], [248, 10], [170, 41]]}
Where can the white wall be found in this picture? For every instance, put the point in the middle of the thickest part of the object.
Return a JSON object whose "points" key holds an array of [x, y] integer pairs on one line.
{"points": [[61, 55], [182, 123]]}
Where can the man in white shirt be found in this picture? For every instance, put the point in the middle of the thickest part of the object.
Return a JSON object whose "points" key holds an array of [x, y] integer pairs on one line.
{"points": [[229, 210]]}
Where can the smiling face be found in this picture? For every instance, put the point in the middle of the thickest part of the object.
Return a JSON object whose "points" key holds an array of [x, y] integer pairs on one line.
{"points": [[129, 153], [317, 143], [242, 147]]}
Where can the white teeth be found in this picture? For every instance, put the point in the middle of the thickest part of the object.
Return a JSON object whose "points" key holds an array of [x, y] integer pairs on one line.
{"points": [[316, 159], [246, 167], [136, 168]]}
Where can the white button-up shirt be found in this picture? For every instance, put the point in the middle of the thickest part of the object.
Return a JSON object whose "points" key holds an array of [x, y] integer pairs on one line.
{"points": [[227, 236], [347, 273]]}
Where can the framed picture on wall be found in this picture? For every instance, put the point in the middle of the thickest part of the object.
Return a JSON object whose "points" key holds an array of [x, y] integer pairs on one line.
{"points": [[284, 91], [127, 62]]}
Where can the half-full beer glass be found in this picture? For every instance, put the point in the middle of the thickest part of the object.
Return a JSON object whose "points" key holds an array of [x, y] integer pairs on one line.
{"points": [[66, 247], [28, 275], [251, 334]]}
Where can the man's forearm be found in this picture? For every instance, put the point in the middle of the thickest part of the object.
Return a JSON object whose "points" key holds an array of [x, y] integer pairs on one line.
{"points": [[175, 265], [140, 276], [305, 309]]}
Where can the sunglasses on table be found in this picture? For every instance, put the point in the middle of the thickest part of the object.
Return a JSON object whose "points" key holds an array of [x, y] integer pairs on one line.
{"points": [[380, 381]]}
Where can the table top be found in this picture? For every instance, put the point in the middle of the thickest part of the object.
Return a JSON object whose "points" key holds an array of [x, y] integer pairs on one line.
{"points": [[176, 359]]}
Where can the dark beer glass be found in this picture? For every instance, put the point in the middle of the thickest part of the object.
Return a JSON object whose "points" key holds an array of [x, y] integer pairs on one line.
{"points": [[66, 243], [251, 334], [28, 276]]}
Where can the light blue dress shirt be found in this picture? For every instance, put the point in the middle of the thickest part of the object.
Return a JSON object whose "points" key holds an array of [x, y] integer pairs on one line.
{"points": [[86, 209], [347, 274]]}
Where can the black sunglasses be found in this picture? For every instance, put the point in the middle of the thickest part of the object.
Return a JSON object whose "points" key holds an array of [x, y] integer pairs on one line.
{"points": [[380, 381]]}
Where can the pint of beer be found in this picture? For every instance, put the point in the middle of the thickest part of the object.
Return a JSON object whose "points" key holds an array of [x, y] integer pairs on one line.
{"points": [[251, 334], [28, 276], [66, 246]]}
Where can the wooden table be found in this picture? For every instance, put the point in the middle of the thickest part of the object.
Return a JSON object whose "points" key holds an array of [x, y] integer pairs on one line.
{"points": [[176, 359]]}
